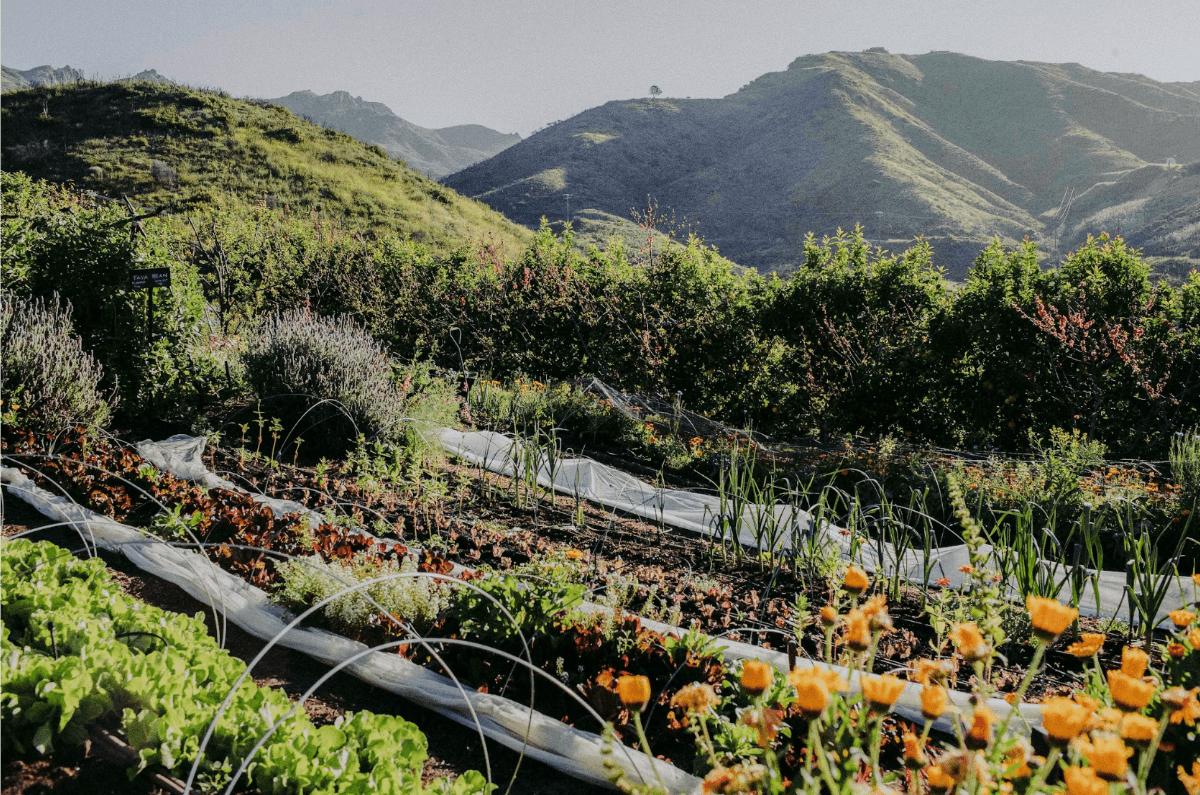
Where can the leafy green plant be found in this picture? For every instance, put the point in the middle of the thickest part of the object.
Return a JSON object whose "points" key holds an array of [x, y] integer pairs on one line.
{"points": [[76, 649]]}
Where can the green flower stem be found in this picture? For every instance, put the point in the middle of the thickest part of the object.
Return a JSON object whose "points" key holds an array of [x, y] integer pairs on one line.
{"points": [[637, 722], [1147, 756], [1035, 783], [1038, 652]]}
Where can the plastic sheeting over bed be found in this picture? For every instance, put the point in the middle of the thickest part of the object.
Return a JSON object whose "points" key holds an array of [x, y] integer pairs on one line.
{"points": [[703, 513]]}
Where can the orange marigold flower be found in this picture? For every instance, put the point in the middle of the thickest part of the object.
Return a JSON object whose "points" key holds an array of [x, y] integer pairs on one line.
{"points": [[1138, 728], [1016, 761], [634, 691], [1134, 662], [733, 780], [1189, 707], [829, 615], [757, 676], [929, 671], [856, 581], [980, 734], [1049, 617], [933, 701], [1177, 651], [881, 692], [1108, 756], [1181, 618], [812, 694], [1193, 639], [1191, 784], [1196, 578], [1130, 694], [574, 554], [914, 754], [1084, 781], [858, 631], [942, 582], [1088, 644], [1063, 719], [939, 779], [969, 641], [696, 697]]}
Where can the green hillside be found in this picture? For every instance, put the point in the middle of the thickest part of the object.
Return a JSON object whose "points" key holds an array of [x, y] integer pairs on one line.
{"points": [[954, 148], [169, 145]]}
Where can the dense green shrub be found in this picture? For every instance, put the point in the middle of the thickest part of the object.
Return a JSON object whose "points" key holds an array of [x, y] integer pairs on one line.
{"points": [[856, 323], [56, 242], [52, 381], [325, 379]]}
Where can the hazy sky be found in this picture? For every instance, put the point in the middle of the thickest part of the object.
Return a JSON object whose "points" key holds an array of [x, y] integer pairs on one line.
{"points": [[516, 65]]}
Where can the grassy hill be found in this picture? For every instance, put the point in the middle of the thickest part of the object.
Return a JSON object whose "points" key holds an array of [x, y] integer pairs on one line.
{"points": [[943, 145], [166, 144], [434, 153]]}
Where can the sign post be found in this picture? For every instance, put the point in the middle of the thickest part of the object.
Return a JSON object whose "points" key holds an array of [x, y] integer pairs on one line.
{"points": [[148, 279]]}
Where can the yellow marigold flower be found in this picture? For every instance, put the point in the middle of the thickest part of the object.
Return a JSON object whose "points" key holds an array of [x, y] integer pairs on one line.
{"points": [[980, 734], [1049, 617], [829, 615], [1181, 618], [933, 701], [1130, 694], [1088, 644], [696, 697], [1191, 784], [856, 581], [858, 631], [1063, 719], [939, 779], [914, 754], [1134, 662], [634, 691], [969, 641], [757, 676], [1138, 728], [1084, 781], [881, 692], [1108, 756], [812, 694]]}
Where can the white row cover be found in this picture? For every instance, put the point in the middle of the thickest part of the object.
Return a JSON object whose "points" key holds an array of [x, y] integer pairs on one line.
{"points": [[571, 750], [181, 456], [702, 513]]}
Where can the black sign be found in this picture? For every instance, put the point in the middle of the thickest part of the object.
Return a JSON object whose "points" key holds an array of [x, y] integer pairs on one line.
{"points": [[146, 278]]}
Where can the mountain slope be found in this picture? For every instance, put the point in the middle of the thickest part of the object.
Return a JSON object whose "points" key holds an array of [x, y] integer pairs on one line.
{"points": [[172, 145], [434, 153], [955, 148]]}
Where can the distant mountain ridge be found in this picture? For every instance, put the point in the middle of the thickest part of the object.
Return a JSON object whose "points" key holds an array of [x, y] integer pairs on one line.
{"points": [[434, 153], [952, 147], [14, 79]]}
